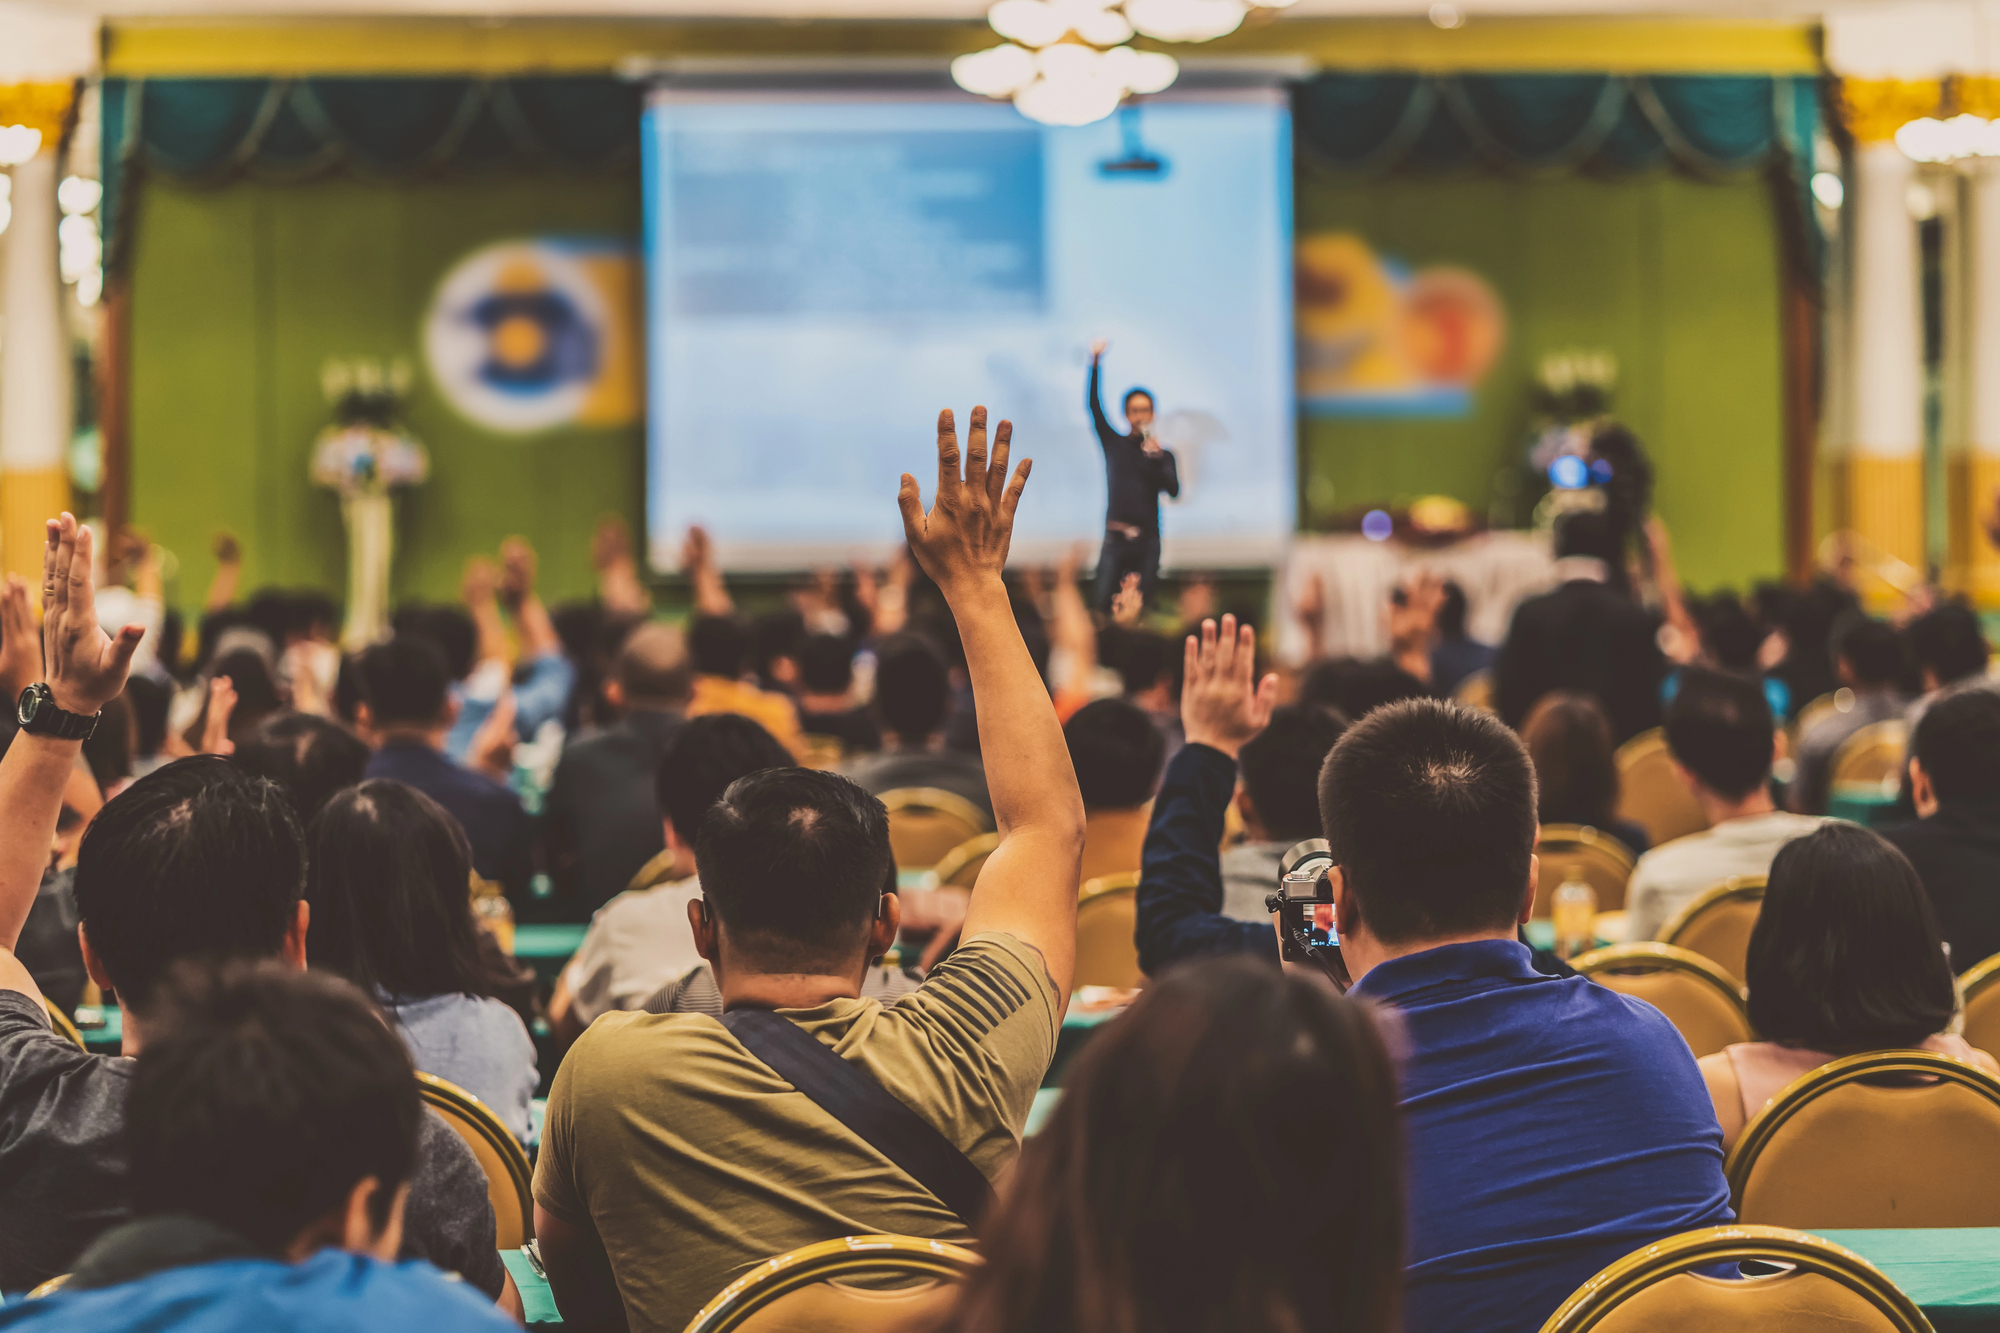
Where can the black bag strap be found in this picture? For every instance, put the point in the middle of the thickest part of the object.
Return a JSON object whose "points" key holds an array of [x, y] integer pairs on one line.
{"points": [[849, 1094]]}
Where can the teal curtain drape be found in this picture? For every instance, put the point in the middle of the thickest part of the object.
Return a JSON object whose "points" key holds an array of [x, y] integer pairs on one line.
{"points": [[295, 129]]}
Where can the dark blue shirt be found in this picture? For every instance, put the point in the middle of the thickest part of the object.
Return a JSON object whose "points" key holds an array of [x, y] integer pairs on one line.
{"points": [[1553, 1126], [490, 813], [1179, 899], [331, 1292]]}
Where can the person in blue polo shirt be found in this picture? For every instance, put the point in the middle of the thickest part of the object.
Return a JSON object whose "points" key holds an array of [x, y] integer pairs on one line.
{"points": [[272, 1129], [1553, 1126]]}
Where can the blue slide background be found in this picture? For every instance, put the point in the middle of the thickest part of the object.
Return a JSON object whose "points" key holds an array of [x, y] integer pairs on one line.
{"points": [[825, 273]]}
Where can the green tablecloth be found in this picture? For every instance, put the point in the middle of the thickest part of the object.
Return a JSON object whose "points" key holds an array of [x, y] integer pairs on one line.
{"points": [[1866, 805], [538, 1306], [1953, 1273], [108, 1038], [547, 947]]}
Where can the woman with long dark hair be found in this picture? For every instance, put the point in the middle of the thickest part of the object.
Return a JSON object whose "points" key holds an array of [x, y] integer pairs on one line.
{"points": [[1845, 958], [390, 887], [1226, 1155], [1568, 736]]}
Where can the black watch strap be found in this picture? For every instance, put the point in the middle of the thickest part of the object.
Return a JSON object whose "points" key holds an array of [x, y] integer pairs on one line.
{"points": [[38, 715]]}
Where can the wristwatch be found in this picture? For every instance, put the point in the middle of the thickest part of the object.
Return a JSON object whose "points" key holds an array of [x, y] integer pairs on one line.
{"points": [[38, 715]]}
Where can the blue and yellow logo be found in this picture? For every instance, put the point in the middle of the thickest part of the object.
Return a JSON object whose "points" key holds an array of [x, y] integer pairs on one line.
{"points": [[528, 335]]}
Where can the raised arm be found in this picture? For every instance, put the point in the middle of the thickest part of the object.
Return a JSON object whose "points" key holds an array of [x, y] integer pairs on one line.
{"points": [[1028, 888], [84, 669], [1093, 393]]}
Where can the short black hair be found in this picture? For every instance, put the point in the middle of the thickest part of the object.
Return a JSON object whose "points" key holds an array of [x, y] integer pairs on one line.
{"points": [[1591, 532], [1958, 743], [795, 862], [151, 702], [1430, 811], [1948, 642], [389, 882], [826, 664], [703, 758], [719, 645], [195, 860], [263, 1097], [1139, 656], [448, 628], [1125, 403], [1451, 611], [1728, 634], [1280, 767], [1356, 687], [1846, 955], [1872, 649], [310, 757], [1719, 727], [1116, 751], [912, 687], [403, 680]]}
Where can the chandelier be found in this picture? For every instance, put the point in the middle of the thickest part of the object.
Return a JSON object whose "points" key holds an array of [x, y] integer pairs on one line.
{"points": [[1066, 62]]}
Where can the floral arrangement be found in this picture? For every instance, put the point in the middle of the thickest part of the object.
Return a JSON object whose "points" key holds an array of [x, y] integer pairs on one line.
{"points": [[367, 449]]}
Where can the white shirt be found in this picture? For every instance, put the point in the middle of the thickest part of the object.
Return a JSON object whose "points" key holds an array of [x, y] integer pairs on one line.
{"points": [[1675, 873], [637, 943]]}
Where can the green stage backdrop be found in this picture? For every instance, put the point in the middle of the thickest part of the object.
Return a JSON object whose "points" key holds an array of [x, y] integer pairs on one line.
{"points": [[1678, 277], [241, 292]]}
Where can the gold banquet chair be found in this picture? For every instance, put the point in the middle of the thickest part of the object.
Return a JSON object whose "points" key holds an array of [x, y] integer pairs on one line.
{"points": [[1703, 1002], [1106, 914], [1476, 692], [1872, 756], [509, 1184], [1861, 1142], [1600, 860], [1980, 989], [926, 823], [1655, 1290], [959, 868], [1651, 794], [809, 1291], [1717, 924], [64, 1025]]}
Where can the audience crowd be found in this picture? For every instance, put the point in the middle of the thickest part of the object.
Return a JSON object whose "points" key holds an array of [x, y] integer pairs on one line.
{"points": [[297, 873]]}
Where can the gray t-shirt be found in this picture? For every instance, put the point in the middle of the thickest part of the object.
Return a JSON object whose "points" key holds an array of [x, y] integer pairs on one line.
{"points": [[62, 1164], [479, 1044]]}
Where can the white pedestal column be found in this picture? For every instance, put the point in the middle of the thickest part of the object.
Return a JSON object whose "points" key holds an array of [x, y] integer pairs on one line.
{"points": [[1883, 471], [34, 372], [1975, 470]]}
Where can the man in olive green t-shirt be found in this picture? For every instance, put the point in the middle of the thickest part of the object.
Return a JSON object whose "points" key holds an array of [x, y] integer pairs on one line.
{"points": [[672, 1159]]}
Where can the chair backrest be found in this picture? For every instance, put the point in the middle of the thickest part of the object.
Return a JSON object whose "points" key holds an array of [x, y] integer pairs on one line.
{"points": [[959, 868], [1702, 1001], [1825, 706], [62, 1023], [49, 1288], [1595, 857], [807, 1291], [1717, 924], [1980, 985], [1106, 915], [925, 823], [821, 752], [1655, 1290], [1114, 841], [1886, 1139], [1476, 692], [1873, 754], [509, 1184], [1651, 794]]}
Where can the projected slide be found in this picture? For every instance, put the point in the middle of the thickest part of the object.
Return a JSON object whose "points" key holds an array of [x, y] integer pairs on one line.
{"points": [[825, 273]]}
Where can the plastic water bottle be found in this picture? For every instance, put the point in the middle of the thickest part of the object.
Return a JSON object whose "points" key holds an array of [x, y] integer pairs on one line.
{"points": [[1574, 914]]}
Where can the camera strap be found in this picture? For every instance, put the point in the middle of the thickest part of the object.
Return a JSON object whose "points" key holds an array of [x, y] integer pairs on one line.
{"points": [[850, 1094]]}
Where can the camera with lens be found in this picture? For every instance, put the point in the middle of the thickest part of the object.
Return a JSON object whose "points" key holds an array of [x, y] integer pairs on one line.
{"points": [[1305, 911]]}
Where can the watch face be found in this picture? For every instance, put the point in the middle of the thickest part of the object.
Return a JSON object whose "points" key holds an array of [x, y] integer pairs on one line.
{"points": [[31, 703]]}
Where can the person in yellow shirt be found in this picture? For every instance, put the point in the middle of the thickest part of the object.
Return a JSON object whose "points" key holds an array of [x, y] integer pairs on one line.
{"points": [[673, 1157]]}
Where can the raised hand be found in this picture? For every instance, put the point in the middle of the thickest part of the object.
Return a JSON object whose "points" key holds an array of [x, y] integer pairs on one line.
{"points": [[221, 707], [964, 539], [20, 641], [1128, 602], [479, 582], [1222, 703], [1097, 346], [518, 567], [85, 668]]}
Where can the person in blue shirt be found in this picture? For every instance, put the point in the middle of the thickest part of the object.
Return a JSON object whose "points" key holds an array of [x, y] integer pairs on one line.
{"points": [[1553, 1126], [406, 708], [272, 1130]]}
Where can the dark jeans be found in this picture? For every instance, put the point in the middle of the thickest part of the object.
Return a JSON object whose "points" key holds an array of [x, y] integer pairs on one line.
{"points": [[1121, 555]]}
